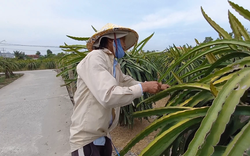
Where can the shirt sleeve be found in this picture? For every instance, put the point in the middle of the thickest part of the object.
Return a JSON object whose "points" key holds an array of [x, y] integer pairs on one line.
{"points": [[94, 71], [126, 80], [141, 88]]}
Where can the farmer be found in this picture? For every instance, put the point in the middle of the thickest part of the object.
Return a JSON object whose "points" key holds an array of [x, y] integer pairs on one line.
{"points": [[102, 89]]}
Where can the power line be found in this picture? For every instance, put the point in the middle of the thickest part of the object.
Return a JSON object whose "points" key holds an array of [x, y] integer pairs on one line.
{"points": [[43, 46], [28, 48]]}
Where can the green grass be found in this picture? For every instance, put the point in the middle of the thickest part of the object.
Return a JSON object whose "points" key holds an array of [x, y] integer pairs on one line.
{"points": [[4, 81]]}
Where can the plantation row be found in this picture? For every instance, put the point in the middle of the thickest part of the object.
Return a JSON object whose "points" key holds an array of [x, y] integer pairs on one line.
{"points": [[8, 65]]}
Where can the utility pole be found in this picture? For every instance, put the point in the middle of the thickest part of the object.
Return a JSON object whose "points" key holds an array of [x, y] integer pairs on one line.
{"points": [[1, 42]]}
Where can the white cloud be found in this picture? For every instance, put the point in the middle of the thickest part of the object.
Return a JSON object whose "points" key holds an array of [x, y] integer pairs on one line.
{"points": [[166, 18], [169, 17]]}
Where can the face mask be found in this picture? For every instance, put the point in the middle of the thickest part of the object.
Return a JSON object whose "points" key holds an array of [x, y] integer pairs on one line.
{"points": [[119, 52]]}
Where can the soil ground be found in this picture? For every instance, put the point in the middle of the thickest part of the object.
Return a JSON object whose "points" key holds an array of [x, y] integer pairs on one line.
{"points": [[121, 135]]}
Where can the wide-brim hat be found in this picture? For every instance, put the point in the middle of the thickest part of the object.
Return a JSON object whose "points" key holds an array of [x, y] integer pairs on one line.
{"points": [[108, 31]]}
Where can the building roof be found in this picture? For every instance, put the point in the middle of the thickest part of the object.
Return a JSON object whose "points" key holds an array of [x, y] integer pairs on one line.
{"points": [[33, 56]]}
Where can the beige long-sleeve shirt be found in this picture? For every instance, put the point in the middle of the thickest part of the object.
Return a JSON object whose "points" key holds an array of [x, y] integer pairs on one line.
{"points": [[97, 93]]}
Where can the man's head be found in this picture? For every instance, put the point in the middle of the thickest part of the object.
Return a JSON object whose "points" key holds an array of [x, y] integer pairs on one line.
{"points": [[115, 46]]}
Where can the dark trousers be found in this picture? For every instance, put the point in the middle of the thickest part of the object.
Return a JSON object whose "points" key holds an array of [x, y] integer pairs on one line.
{"points": [[94, 150]]}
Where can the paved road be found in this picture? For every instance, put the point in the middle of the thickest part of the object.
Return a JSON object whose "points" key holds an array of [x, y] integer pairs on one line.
{"points": [[35, 116]]}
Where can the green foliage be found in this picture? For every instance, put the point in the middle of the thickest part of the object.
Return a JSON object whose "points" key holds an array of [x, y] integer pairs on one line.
{"points": [[136, 64], [38, 53], [208, 39], [7, 65], [208, 110], [49, 54], [19, 55], [32, 64], [49, 63], [22, 64]]}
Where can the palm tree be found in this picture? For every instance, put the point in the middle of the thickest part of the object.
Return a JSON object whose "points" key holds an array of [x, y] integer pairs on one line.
{"points": [[7, 66], [19, 55]]}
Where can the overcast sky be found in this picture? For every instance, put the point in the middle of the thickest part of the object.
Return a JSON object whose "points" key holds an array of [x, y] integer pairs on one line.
{"points": [[38, 25]]}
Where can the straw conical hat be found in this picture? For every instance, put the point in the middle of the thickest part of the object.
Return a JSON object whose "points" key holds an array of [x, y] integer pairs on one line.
{"points": [[108, 31]]}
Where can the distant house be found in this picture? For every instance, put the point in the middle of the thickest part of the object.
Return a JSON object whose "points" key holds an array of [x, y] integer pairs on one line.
{"points": [[34, 57], [7, 55]]}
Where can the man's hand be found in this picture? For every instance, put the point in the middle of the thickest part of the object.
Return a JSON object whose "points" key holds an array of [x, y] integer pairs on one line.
{"points": [[151, 87], [164, 86]]}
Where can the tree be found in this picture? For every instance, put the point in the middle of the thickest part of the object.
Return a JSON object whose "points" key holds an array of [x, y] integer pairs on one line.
{"points": [[59, 55], [50, 53], [208, 39], [19, 55], [38, 53], [7, 65]]}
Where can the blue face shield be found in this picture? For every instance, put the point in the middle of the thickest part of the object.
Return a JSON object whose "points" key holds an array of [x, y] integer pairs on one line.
{"points": [[119, 52]]}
